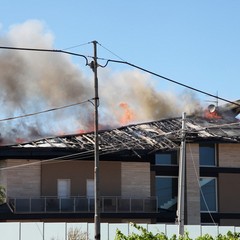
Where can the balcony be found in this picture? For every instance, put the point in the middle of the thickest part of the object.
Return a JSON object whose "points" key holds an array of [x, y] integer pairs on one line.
{"points": [[82, 204]]}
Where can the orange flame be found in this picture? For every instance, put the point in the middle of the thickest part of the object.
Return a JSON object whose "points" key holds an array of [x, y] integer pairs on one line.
{"points": [[128, 114]]}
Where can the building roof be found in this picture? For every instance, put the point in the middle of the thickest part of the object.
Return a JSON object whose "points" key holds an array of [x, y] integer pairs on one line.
{"points": [[212, 125], [164, 134]]}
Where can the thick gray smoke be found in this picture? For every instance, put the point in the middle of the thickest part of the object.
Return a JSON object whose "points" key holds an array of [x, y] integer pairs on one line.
{"points": [[36, 81], [132, 96]]}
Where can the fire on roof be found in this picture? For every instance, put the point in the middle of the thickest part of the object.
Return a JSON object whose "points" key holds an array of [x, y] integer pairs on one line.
{"points": [[216, 123]]}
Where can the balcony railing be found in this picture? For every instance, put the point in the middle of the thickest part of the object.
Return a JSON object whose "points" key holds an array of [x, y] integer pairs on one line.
{"points": [[82, 204]]}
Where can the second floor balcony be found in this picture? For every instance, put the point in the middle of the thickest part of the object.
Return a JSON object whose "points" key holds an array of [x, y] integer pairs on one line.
{"points": [[82, 204]]}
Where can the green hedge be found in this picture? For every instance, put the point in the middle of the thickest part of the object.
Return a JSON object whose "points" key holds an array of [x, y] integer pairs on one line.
{"points": [[144, 234]]}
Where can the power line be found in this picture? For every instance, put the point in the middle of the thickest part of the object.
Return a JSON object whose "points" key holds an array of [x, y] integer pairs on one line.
{"points": [[166, 78], [111, 52], [107, 61], [75, 46], [46, 50], [45, 111], [89, 154], [65, 158], [122, 62], [158, 75]]}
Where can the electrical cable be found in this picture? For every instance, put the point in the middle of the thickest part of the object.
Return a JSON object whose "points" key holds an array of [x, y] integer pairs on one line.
{"points": [[117, 61], [111, 52], [160, 76], [46, 50], [45, 111], [122, 62], [166, 78], [75, 46], [66, 158]]}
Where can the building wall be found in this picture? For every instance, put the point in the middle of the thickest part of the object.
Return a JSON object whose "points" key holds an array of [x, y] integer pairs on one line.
{"points": [[78, 172], [23, 178], [229, 155], [116, 178], [192, 186], [230, 222], [229, 197], [135, 178], [28, 178]]}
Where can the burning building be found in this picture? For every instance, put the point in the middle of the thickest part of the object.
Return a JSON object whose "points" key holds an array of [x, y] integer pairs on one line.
{"points": [[51, 179]]}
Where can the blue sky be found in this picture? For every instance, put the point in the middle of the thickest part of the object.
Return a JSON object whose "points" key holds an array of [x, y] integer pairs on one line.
{"points": [[193, 42]]}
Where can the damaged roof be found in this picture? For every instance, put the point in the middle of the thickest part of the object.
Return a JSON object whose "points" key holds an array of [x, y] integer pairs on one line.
{"points": [[152, 136], [215, 124]]}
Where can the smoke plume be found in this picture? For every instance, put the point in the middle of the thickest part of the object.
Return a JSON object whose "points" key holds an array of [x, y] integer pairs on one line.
{"points": [[36, 81]]}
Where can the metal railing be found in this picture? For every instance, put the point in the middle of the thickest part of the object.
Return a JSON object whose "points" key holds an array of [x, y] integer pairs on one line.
{"points": [[82, 204]]}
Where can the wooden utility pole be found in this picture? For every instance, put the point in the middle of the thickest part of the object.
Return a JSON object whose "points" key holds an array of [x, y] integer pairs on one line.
{"points": [[96, 152], [181, 179]]}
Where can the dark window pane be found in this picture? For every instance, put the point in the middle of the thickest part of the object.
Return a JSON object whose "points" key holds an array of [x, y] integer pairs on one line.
{"points": [[166, 191], [208, 194], [207, 154], [169, 158]]}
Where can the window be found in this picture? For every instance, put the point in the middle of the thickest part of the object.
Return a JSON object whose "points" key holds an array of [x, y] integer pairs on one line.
{"points": [[166, 191], [168, 158], [208, 199], [207, 154]]}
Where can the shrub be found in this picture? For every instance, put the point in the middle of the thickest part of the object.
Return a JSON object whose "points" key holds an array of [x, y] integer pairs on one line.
{"points": [[2, 195], [144, 234]]}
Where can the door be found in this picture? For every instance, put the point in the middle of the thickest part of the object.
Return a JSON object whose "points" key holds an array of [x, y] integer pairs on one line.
{"points": [[63, 188]]}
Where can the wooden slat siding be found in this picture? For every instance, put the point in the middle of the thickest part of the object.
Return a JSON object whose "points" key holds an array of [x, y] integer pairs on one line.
{"points": [[229, 155], [192, 185], [23, 181], [135, 179]]}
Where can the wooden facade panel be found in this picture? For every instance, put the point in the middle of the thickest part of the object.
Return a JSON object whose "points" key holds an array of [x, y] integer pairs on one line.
{"points": [[135, 179], [192, 184], [229, 155], [23, 178]]}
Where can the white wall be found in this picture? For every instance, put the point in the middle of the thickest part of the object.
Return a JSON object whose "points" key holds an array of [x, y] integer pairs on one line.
{"points": [[49, 231]]}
